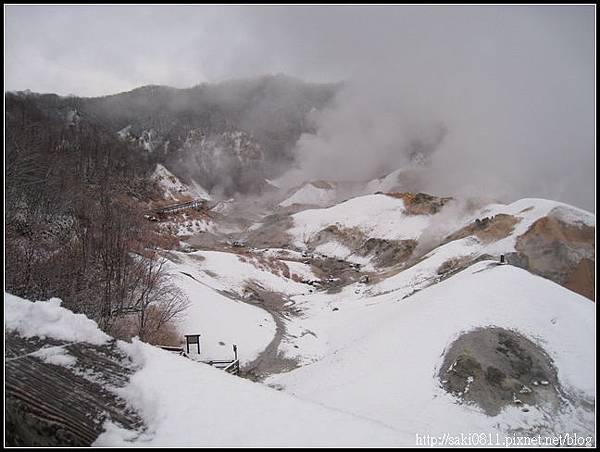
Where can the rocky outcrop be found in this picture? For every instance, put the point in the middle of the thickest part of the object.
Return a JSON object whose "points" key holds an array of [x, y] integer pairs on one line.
{"points": [[488, 229], [420, 203], [561, 251], [388, 252], [232, 161]]}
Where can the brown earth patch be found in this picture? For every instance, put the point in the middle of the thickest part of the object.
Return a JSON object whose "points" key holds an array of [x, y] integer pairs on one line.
{"points": [[272, 234], [554, 229], [350, 237], [561, 252], [581, 279], [489, 229], [385, 252], [420, 203], [388, 252]]}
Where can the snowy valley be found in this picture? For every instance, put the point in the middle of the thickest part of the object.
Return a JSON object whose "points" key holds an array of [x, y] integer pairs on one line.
{"points": [[345, 316], [308, 226]]}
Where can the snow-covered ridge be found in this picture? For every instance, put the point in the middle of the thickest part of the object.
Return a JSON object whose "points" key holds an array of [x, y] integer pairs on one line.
{"points": [[528, 211], [376, 216]]}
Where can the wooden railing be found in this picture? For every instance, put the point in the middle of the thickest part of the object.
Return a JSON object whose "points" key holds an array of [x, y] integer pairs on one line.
{"points": [[231, 366]]}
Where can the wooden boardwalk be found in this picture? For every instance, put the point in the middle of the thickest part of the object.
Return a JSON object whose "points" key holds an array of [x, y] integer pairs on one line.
{"points": [[172, 208], [50, 405]]}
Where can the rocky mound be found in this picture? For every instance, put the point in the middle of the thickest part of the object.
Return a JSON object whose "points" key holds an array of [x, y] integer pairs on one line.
{"points": [[493, 368], [420, 203]]}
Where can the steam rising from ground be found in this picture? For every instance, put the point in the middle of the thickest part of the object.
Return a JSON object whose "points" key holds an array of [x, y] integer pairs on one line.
{"points": [[502, 98], [499, 99]]}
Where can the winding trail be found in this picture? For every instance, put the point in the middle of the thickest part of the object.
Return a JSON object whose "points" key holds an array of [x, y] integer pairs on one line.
{"points": [[271, 360]]}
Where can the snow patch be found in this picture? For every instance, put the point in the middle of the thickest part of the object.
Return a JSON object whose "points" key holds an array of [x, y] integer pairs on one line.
{"points": [[48, 319], [55, 355], [312, 195]]}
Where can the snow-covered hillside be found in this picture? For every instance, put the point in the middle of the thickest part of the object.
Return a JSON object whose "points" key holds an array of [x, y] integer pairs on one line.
{"points": [[221, 321], [358, 355], [378, 216], [185, 403], [216, 282], [377, 357], [312, 193], [173, 188]]}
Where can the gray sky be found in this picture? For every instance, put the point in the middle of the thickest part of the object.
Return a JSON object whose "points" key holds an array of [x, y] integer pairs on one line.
{"points": [[514, 85]]}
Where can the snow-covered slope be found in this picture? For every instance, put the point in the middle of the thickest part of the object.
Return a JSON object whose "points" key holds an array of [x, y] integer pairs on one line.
{"points": [[377, 357], [211, 279], [173, 188], [377, 216], [523, 213], [185, 403], [385, 184], [221, 321], [207, 407], [316, 194], [339, 231], [232, 272]]}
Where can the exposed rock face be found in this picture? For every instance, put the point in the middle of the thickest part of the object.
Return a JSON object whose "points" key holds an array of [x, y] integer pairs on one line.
{"points": [[420, 203], [349, 237], [384, 252], [562, 252], [388, 252], [581, 279], [232, 160], [493, 368], [487, 229]]}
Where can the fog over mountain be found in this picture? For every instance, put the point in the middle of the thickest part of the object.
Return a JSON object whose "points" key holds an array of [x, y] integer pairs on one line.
{"points": [[501, 99]]}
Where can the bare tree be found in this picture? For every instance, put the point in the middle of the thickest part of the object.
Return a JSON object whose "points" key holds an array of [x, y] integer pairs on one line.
{"points": [[157, 301]]}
